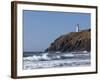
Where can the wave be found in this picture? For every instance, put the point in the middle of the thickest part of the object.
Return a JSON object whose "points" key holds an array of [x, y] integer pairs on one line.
{"points": [[50, 60], [37, 57], [55, 63], [55, 56]]}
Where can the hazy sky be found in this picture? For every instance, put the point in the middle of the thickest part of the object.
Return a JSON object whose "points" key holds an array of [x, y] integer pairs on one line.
{"points": [[42, 27]]}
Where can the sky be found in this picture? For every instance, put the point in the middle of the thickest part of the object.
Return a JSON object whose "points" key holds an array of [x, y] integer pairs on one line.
{"points": [[41, 28]]}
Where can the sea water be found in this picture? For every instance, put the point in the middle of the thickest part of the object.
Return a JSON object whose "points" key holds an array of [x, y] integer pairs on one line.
{"points": [[36, 60]]}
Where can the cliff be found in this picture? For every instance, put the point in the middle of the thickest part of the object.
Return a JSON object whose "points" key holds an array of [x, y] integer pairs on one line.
{"points": [[74, 41]]}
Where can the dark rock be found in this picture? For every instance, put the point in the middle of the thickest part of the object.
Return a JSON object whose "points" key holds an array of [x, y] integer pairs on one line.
{"points": [[74, 41]]}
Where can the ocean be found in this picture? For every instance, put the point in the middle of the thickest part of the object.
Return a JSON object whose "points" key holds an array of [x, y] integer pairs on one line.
{"points": [[38, 60]]}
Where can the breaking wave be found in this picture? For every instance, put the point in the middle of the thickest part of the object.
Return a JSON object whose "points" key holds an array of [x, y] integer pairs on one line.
{"points": [[49, 60]]}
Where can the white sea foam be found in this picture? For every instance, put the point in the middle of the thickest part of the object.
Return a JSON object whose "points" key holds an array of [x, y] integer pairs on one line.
{"points": [[47, 60], [55, 63], [45, 56], [36, 58], [69, 55]]}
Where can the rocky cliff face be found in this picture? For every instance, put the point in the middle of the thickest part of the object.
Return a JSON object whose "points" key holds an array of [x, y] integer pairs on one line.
{"points": [[74, 41]]}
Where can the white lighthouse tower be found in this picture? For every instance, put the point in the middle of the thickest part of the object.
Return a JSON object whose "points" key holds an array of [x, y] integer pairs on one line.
{"points": [[77, 28]]}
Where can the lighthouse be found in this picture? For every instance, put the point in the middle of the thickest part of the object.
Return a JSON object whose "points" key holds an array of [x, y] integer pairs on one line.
{"points": [[77, 28]]}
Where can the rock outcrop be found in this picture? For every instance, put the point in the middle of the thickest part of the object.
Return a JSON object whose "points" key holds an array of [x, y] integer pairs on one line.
{"points": [[74, 41]]}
